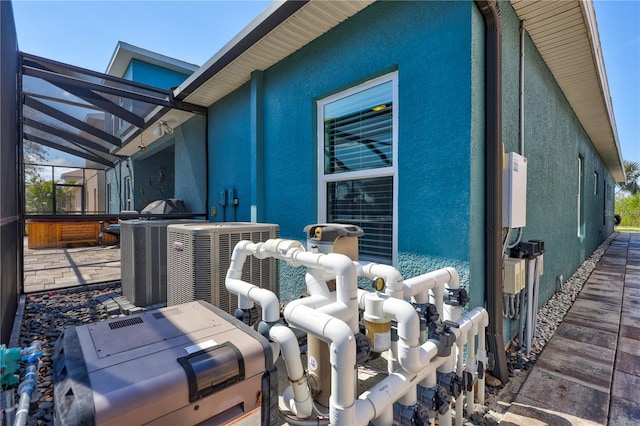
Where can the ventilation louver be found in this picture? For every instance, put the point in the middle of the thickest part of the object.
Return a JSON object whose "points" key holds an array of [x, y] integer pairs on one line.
{"points": [[199, 256]]}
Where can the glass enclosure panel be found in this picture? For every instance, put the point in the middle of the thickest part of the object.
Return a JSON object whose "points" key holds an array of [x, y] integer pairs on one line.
{"points": [[64, 190]]}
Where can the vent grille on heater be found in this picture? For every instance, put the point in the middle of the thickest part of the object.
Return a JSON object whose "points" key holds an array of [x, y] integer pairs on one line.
{"points": [[125, 323], [199, 257]]}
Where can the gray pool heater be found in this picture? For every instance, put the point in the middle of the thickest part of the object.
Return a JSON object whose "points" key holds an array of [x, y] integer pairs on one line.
{"points": [[180, 365]]}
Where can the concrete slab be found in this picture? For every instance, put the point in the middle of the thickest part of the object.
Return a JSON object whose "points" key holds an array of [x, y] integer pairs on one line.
{"points": [[630, 332], [628, 345], [564, 396], [69, 267], [630, 317], [583, 363], [598, 305], [590, 370], [581, 333], [532, 413], [583, 309], [628, 363], [623, 383], [624, 412]]}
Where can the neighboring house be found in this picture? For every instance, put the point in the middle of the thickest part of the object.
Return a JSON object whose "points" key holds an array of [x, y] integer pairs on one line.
{"points": [[384, 114], [72, 185], [92, 181], [149, 172]]}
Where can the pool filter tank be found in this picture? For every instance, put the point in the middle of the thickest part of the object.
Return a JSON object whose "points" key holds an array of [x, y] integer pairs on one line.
{"points": [[180, 365], [327, 238]]}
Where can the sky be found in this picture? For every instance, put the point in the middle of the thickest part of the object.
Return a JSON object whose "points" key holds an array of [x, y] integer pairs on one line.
{"points": [[85, 33]]}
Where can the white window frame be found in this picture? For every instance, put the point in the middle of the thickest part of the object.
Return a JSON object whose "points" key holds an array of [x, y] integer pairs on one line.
{"points": [[392, 171]]}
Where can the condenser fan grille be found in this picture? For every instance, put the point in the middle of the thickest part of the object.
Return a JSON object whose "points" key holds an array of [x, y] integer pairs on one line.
{"points": [[199, 258]]}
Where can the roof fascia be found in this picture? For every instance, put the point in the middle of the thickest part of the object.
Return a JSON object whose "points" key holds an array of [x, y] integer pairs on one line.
{"points": [[274, 15]]}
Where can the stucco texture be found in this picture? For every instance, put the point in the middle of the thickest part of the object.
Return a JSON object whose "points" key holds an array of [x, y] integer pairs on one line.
{"points": [[435, 76], [437, 49], [554, 139]]}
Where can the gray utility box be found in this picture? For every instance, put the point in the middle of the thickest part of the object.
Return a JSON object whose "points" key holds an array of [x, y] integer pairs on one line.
{"points": [[143, 252]]}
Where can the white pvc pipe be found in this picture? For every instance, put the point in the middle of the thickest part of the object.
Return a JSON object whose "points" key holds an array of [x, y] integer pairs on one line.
{"points": [[375, 402], [313, 302], [293, 252], [417, 287], [301, 404], [412, 356], [472, 365], [316, 285], [482, 356], [530, 299], [263, 297], [536, 292], [394, 282], [345, 273], [460, 342], [342, 356], [392, 357]]}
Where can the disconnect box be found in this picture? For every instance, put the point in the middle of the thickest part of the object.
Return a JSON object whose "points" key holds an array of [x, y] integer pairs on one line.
{"points": [[514, 191], [514, 275]]}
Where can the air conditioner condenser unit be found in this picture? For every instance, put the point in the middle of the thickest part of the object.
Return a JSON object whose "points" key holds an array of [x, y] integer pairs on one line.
{"points": [[199, 255]]}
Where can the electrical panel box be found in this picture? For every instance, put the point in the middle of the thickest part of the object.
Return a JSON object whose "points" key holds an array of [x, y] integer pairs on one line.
{"points": [[514, 191], [514, 275]]}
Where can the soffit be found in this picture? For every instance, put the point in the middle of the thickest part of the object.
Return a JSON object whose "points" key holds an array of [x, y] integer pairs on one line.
{"points": [[297, 29], [566, 35]]}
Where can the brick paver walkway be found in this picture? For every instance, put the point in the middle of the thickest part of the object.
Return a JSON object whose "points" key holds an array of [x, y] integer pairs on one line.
{"points": [[48, 269]]}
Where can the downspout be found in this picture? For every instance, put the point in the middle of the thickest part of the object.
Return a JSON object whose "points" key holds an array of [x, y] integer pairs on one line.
{"points": [[206, 167], [493, 182]]}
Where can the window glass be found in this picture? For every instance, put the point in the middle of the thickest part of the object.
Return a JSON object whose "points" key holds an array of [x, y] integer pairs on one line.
{"points": [[358, 131], [367, 203], [357, 137]]}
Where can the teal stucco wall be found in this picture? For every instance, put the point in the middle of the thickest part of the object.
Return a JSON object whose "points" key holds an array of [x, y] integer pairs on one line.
{"points": [[180, 156], [153, 75], [191, 163], [554, 138], [440, 66], [229, 155], [172, 167], [437, 66], [154, 176]]}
